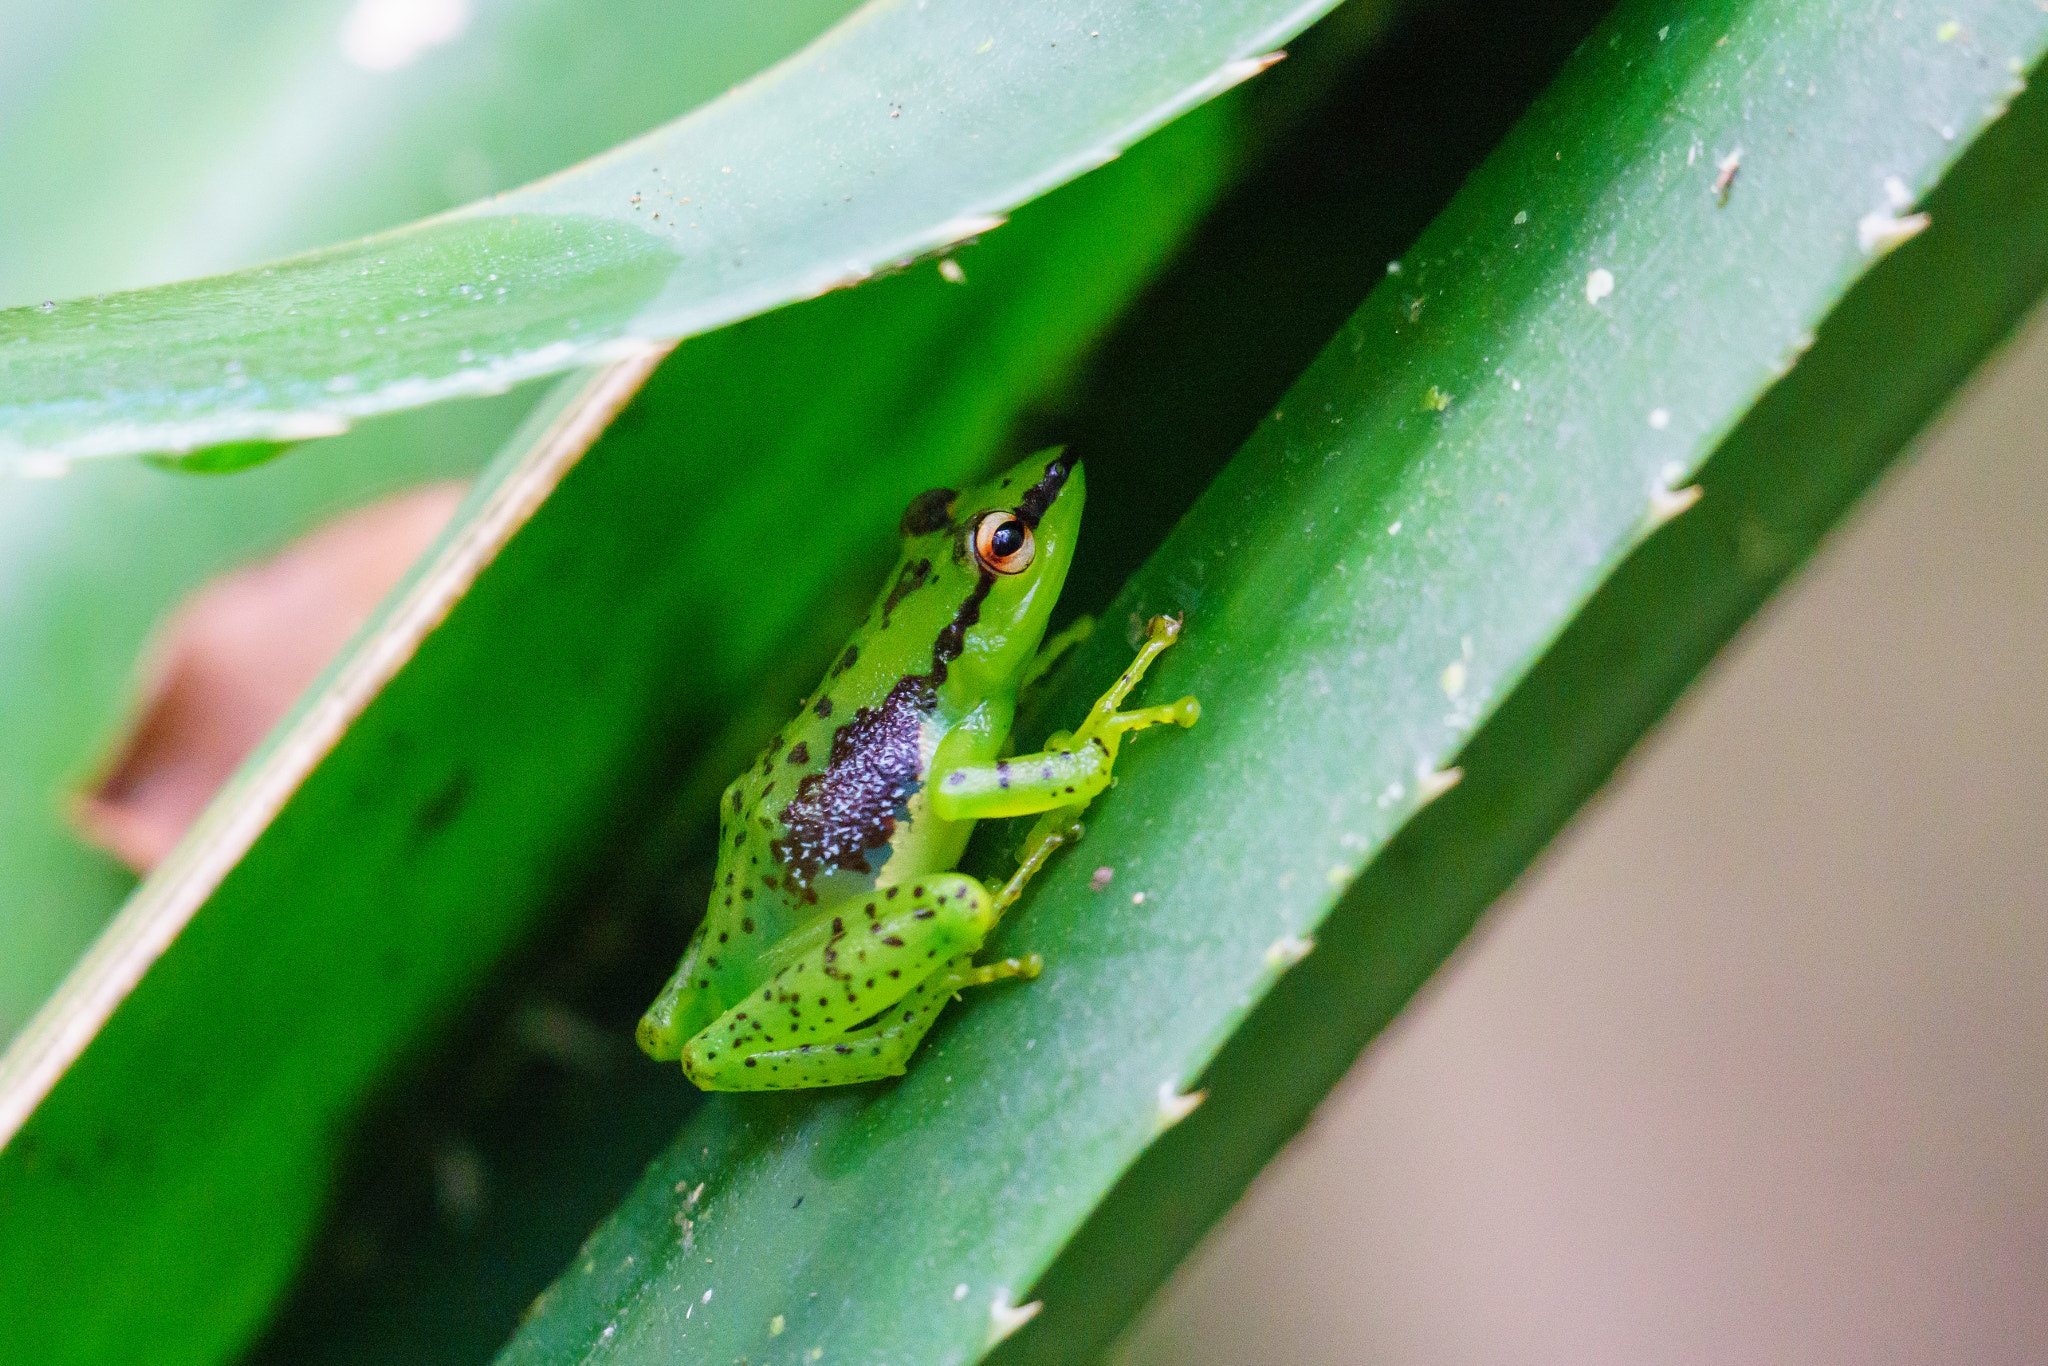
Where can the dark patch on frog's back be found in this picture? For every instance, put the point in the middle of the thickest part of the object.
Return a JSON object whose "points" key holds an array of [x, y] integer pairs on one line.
{"points": [[851, 805]]}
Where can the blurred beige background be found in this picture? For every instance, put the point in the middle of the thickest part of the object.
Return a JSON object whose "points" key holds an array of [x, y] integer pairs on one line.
{"points": [[1754, 1066]]}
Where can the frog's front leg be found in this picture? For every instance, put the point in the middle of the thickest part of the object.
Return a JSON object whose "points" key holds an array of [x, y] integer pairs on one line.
{"points": [[1073, 768], [853, 1007], [1053, 650]]}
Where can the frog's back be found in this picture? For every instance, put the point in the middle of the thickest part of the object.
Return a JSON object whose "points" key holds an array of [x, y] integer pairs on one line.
{"points": [[813, 818]]}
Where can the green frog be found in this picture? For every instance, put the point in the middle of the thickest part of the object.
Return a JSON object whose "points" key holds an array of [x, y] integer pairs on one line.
{"points": [[839, 925]]}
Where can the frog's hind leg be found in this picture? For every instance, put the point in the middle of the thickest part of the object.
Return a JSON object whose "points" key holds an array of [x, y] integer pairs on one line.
{"points": [[882, 1048], [811, 1023]]}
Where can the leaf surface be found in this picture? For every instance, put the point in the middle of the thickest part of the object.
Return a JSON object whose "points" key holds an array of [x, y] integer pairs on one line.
{"points": [[153, 106], [906, 130]]}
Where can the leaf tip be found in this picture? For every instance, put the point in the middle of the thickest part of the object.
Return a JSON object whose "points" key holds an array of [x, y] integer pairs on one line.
{"points": [[1288, 950], [1431, 783], [1244, 68], [1667, 502], [967, 226], [846, 279], [1175, 1106], [1006, 1318], [1880, 230]]}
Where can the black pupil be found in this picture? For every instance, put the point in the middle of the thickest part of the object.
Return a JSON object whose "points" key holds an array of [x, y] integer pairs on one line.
{"points": [[1007, 539]]}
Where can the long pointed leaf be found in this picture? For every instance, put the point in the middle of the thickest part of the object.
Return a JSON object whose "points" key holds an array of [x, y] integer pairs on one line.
{"points": [[906, 130], [1510, 418]]}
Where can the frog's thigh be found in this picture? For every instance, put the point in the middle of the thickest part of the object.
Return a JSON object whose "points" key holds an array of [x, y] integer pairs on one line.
{"points": [[880, 949], [881, 1049]]}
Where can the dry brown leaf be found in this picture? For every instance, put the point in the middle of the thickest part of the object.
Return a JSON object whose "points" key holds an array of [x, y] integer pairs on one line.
{"points": [[234, 657]]}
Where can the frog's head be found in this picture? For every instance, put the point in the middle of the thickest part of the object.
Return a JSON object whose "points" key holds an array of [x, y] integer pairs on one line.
{"points": [[1003, 547]]}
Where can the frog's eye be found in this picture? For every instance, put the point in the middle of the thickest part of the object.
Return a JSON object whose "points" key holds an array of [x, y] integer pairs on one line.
{"points": [[1002, 543]]}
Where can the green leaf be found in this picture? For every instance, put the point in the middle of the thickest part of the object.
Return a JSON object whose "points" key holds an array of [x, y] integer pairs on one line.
{"points": [[426, 822], [1369, 591], [154, 105], [1885, 361], [92, 562], [216, 135], [906, 131]]}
